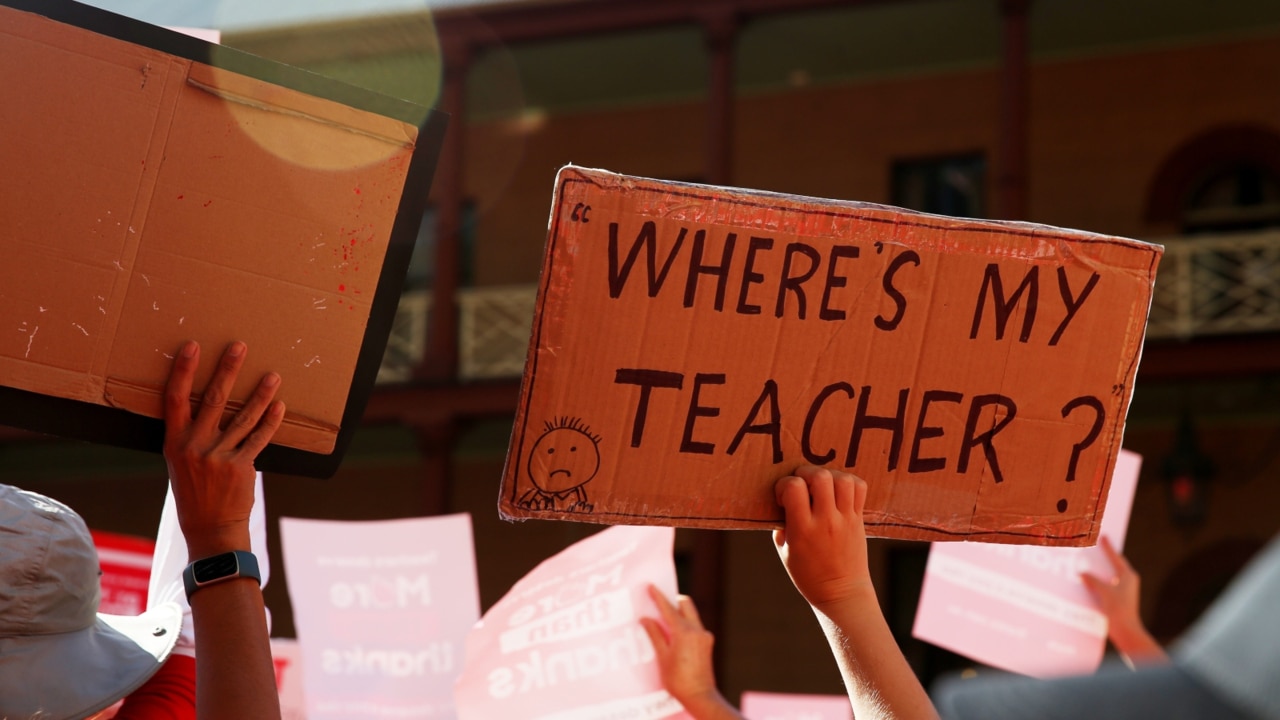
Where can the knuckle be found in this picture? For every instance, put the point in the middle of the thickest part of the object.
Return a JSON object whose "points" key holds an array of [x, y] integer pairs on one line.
{"points": [[215, 398]]}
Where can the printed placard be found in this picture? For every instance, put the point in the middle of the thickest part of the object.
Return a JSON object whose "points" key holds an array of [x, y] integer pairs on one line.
{"points": [[1024, 609], [125, 561], [286, 656], [382, 611], [566, 643], [789, 706]]}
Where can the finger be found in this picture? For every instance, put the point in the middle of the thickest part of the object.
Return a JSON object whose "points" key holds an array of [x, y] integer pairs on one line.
{"points": [[821, 489], [266, 429], [860, 491], [689, 611], [1093, 584], [668, 611], [793, 495], [657, 637], [214, 398], [177, 392], [842, 483], [1118, 561], [779, 537], [245, 420]]}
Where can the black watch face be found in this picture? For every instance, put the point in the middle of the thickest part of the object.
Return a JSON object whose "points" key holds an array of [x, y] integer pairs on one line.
{"points": [[218, 566]]}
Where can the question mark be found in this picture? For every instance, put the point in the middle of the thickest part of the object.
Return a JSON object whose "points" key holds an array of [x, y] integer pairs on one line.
{"points": [[1100, 415]]}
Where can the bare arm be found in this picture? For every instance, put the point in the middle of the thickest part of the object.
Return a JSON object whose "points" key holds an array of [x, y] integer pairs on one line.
{"points": [[683, 648], [1118, 599], [212, 475], [824, 549]]}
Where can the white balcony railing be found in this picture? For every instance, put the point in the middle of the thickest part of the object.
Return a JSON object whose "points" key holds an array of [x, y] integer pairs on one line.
{"points": [[1207, 285], [493, 330], [408, 342], [1216, 285], [493, 333]]}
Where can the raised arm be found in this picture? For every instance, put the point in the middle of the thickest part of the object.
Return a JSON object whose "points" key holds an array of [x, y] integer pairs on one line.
{"points": [[824, 549], [212, 475], [683, 648], [1119, 599]]}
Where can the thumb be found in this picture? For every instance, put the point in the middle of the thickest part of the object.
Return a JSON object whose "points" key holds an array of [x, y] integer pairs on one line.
{"points": [[657, 635], [1092, 583], [779, 538]]}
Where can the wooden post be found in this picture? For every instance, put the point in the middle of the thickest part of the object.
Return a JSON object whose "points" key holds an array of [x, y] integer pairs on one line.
{"points": [[721, 26], [1011, 173], [441, 361], [435, 441]]}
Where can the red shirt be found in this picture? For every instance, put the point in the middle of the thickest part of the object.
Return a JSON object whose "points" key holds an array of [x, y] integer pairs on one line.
{"points": [[170, 694]]}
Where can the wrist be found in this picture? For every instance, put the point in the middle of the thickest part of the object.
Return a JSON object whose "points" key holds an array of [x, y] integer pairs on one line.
{"points": [[206, 543], [224, 567], [857, 598], [703, 703]]}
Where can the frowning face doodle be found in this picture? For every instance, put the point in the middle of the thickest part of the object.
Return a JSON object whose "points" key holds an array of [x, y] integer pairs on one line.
{"points": [[564, 459]]}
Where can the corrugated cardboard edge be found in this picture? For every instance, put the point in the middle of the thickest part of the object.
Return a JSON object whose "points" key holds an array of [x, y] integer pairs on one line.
{"points": [[101, 423], [507, 508]]}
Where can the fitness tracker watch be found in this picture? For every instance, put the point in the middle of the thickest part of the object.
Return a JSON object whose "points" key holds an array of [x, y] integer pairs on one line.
{"points": [[216, 569]]}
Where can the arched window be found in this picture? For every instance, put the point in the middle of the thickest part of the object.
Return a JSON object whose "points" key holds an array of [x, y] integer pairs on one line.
{"points": [[1223, 180], [1242, 197], [1221, 191]]}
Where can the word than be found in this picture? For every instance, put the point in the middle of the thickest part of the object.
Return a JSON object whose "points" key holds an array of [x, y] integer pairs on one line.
{"points": [[618, 652]]}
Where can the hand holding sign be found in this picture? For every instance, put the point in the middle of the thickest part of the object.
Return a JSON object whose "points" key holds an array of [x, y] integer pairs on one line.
{"points": [[824, 548], [683, 648], [1119, 600], [824, 545]]}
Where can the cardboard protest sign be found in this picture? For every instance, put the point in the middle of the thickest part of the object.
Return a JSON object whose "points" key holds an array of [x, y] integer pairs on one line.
{"points": [[125, 562], [565, 643], [693, 344], [787, 706], [382, 610], [1025, 609], [165, 189]]}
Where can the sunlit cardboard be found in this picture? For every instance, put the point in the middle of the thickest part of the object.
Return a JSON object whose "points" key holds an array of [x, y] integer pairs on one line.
{"points": [[161, 189], [693, 344]]}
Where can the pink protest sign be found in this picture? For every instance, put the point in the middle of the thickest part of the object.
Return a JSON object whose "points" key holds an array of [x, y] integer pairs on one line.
{"points": [[125, 561], [787, 706], [287, 658], [382, 611], [565, 643], [1023, 608]]}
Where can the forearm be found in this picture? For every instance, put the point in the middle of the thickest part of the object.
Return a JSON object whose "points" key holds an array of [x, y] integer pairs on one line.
{"points": [[235, 678], [880, 683], [709, 706]]}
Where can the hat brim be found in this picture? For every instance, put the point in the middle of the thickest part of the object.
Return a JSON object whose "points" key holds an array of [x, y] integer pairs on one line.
{"points": [[73, 675], [1115, 691]]}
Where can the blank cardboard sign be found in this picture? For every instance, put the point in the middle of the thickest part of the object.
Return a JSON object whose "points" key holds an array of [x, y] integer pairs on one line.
{"points": [[162, 189], [693, 344]]}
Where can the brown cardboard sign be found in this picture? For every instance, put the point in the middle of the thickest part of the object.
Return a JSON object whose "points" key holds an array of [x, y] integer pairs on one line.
{"points": [[693, 344], [161, 189]]}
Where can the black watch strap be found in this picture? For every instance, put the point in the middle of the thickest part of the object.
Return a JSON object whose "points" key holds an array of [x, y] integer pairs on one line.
{"points": [[216, 569]]}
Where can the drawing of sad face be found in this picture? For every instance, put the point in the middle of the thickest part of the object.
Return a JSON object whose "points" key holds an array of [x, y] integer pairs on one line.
{"points": [[563, 459]]}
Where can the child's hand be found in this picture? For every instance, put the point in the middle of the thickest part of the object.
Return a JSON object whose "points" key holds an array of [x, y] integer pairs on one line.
{"points": [[683, 648], [823, 545]]}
